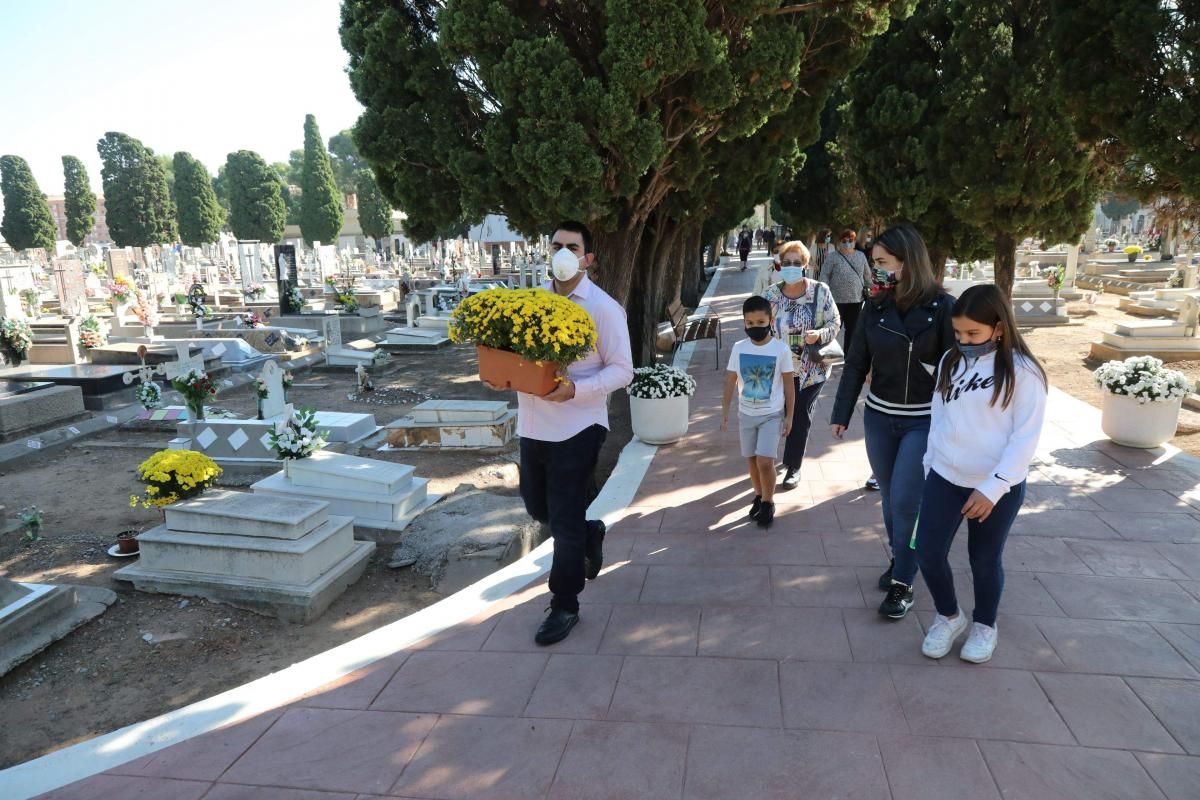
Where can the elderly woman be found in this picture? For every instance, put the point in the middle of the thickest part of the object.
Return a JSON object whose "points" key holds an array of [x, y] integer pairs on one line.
{"points": [[803, 313], [849, 276]]}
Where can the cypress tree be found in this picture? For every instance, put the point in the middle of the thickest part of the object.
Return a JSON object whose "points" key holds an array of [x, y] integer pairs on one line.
{"points": [[137, 201], [200, 215], [27, 222], [374, 211], [255, 204], [79, 201], [320, 200]]}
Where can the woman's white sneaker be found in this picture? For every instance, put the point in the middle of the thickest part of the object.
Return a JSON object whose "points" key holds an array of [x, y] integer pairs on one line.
{"points": [[942, 634], [980, 644]]}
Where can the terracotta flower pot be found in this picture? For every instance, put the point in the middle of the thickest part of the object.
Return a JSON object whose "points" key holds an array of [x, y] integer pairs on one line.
{"points": [[127, 542], [509, 370]]}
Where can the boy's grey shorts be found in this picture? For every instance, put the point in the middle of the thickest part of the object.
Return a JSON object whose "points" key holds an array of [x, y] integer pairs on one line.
{"points": [[761, 435]]}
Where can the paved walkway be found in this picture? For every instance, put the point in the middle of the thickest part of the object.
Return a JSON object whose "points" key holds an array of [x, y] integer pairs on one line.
{"points": [[713, 660]]}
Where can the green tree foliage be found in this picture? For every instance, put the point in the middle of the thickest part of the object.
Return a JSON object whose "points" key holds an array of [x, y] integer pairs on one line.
{"points": [[27, 222], [1008, 147], [256, 207], [288, 190], [79, 201], [1130, 72], [634, 117], [896, 120], [137, 202], [320, 200], [200, 215], [346, 161], [374, 211]]}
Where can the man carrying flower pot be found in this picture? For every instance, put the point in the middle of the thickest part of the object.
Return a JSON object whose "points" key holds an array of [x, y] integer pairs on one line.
{"points": [[562, 432]]}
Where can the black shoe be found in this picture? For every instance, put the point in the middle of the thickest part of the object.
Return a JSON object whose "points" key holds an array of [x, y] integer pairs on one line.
{"points": [[594, 559], [885, 580], [898, 601], [756, 506], [556, 626], [766, 514], [872, 485], [791, 480]]}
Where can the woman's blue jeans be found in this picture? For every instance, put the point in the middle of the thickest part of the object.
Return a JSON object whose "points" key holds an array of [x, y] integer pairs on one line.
{"points": [[896, 448]]}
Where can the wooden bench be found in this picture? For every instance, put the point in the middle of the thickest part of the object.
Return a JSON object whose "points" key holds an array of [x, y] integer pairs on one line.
{"points": [[693, 328]]}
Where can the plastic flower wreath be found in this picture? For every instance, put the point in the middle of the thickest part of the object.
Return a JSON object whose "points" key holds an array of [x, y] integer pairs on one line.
{"points": [[150, 395], [536, 324]]}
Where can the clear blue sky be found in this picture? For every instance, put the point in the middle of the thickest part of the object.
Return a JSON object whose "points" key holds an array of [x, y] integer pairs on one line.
{"points": [[206, 76]]}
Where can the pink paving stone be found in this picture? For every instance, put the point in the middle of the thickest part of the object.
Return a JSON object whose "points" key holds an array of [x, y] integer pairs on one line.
{"points": [[1080, 524], [575, 687], [1140, 500], [936, 769], [1125, 559], [1184, 556], [815, 519], [856, 548], [731, 586], [463, 683], [1040, 554], [485, 757], [229, 791], [1087, 597], [725, 763], [707, 690], [638, 519], [1177, 706], [652, 630], [669, 548], [1041, 772], [1169, 479], [801, 549], [128, 787], [333, 750], [1176, 776], [205, 757], [736, 548], [618, 583], [1114, 648], [876, 639], [1102, 711], [830, 587], [358, 689], [805, 634], [976, 703], [515, 629], [617, 760], [469, 635], [1022, 645], [1058, 498], [840, 697], [1179, 528], [1024, 593]]}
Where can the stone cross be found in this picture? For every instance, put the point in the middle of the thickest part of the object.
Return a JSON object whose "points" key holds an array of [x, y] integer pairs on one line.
{"points": [[273, 404], [185, 361], [1189, 314], [333, 332]]}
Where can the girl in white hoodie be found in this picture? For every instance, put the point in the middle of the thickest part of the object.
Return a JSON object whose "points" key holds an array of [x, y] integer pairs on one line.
{"points": [[988, 409]]}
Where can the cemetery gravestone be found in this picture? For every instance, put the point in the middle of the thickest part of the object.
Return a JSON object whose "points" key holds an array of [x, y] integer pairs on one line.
{"points": [[274, 403], [333, 333], [71, 286], [118, 263]]}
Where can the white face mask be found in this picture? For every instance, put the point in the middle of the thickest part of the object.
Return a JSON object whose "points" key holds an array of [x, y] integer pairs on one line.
{"points": [[564, 265]]}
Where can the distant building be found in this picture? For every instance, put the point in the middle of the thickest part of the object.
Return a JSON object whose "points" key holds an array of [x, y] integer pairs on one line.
{"points": [[99, 234]]}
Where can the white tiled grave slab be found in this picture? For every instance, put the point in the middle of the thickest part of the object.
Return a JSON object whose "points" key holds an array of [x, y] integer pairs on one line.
{"points": [[460, 411], [1151, 328], [244, 514], [455, 423], [1143, 343]]}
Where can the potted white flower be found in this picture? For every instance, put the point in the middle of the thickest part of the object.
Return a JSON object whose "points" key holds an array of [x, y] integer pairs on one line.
{"points": [[658, 403], [1141, 401]]}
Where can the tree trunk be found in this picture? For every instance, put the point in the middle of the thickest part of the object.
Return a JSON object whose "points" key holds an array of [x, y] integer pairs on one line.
{"points": [[693, 267], [617, 258], [1005, 263], [938, 259]]}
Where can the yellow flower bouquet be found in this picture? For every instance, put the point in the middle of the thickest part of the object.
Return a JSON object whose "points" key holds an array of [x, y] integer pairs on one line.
{"points": [[524, 336], [173, 475]]}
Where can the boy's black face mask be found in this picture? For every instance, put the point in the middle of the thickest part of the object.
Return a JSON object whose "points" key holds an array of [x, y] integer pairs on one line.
{"points": [[758, 333]]}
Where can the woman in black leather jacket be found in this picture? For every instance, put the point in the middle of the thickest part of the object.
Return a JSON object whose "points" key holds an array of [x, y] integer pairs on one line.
{"points": [[899, 340]]}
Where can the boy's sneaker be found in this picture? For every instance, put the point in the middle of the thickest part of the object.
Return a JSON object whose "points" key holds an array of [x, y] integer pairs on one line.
{"points": [[791, 479], [885, 580], [766, 515], [980, 644], [898, 601], [942, 634], [872, 484], [756, 506]]}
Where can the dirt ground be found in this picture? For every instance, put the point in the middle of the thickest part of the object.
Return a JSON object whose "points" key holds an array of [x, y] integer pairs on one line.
{"points": [[105, 675], [1065, 353]]}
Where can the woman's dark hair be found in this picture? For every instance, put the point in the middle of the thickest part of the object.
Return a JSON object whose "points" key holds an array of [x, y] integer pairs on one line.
{"points": [[916, 285], [986, 304], [756, 303]]}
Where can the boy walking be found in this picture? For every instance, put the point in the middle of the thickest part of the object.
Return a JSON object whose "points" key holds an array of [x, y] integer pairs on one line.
{"points": [[760, 369]]}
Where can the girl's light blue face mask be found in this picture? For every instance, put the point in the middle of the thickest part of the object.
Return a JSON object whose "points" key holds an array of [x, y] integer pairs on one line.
{"points": [[791, 274], [977, 350]]}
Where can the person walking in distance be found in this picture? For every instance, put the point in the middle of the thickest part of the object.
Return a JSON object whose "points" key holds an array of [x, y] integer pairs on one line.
{"points": [[745, 241], [988, 410], [900, 338], [804, 314], [562, 433], [848, 276]]}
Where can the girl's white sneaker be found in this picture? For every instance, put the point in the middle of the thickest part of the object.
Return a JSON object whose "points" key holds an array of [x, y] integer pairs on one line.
{"points": [[980, 644], [942, 634]]}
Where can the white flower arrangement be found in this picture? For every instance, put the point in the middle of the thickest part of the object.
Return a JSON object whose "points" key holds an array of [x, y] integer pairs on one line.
{"points": [[150, 395], [298, 437], [296, 299], [1144, 379], [660, 382]]}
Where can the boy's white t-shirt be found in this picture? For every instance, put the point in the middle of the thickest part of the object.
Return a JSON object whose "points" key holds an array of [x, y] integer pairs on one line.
{"points": [[760, 369]]}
